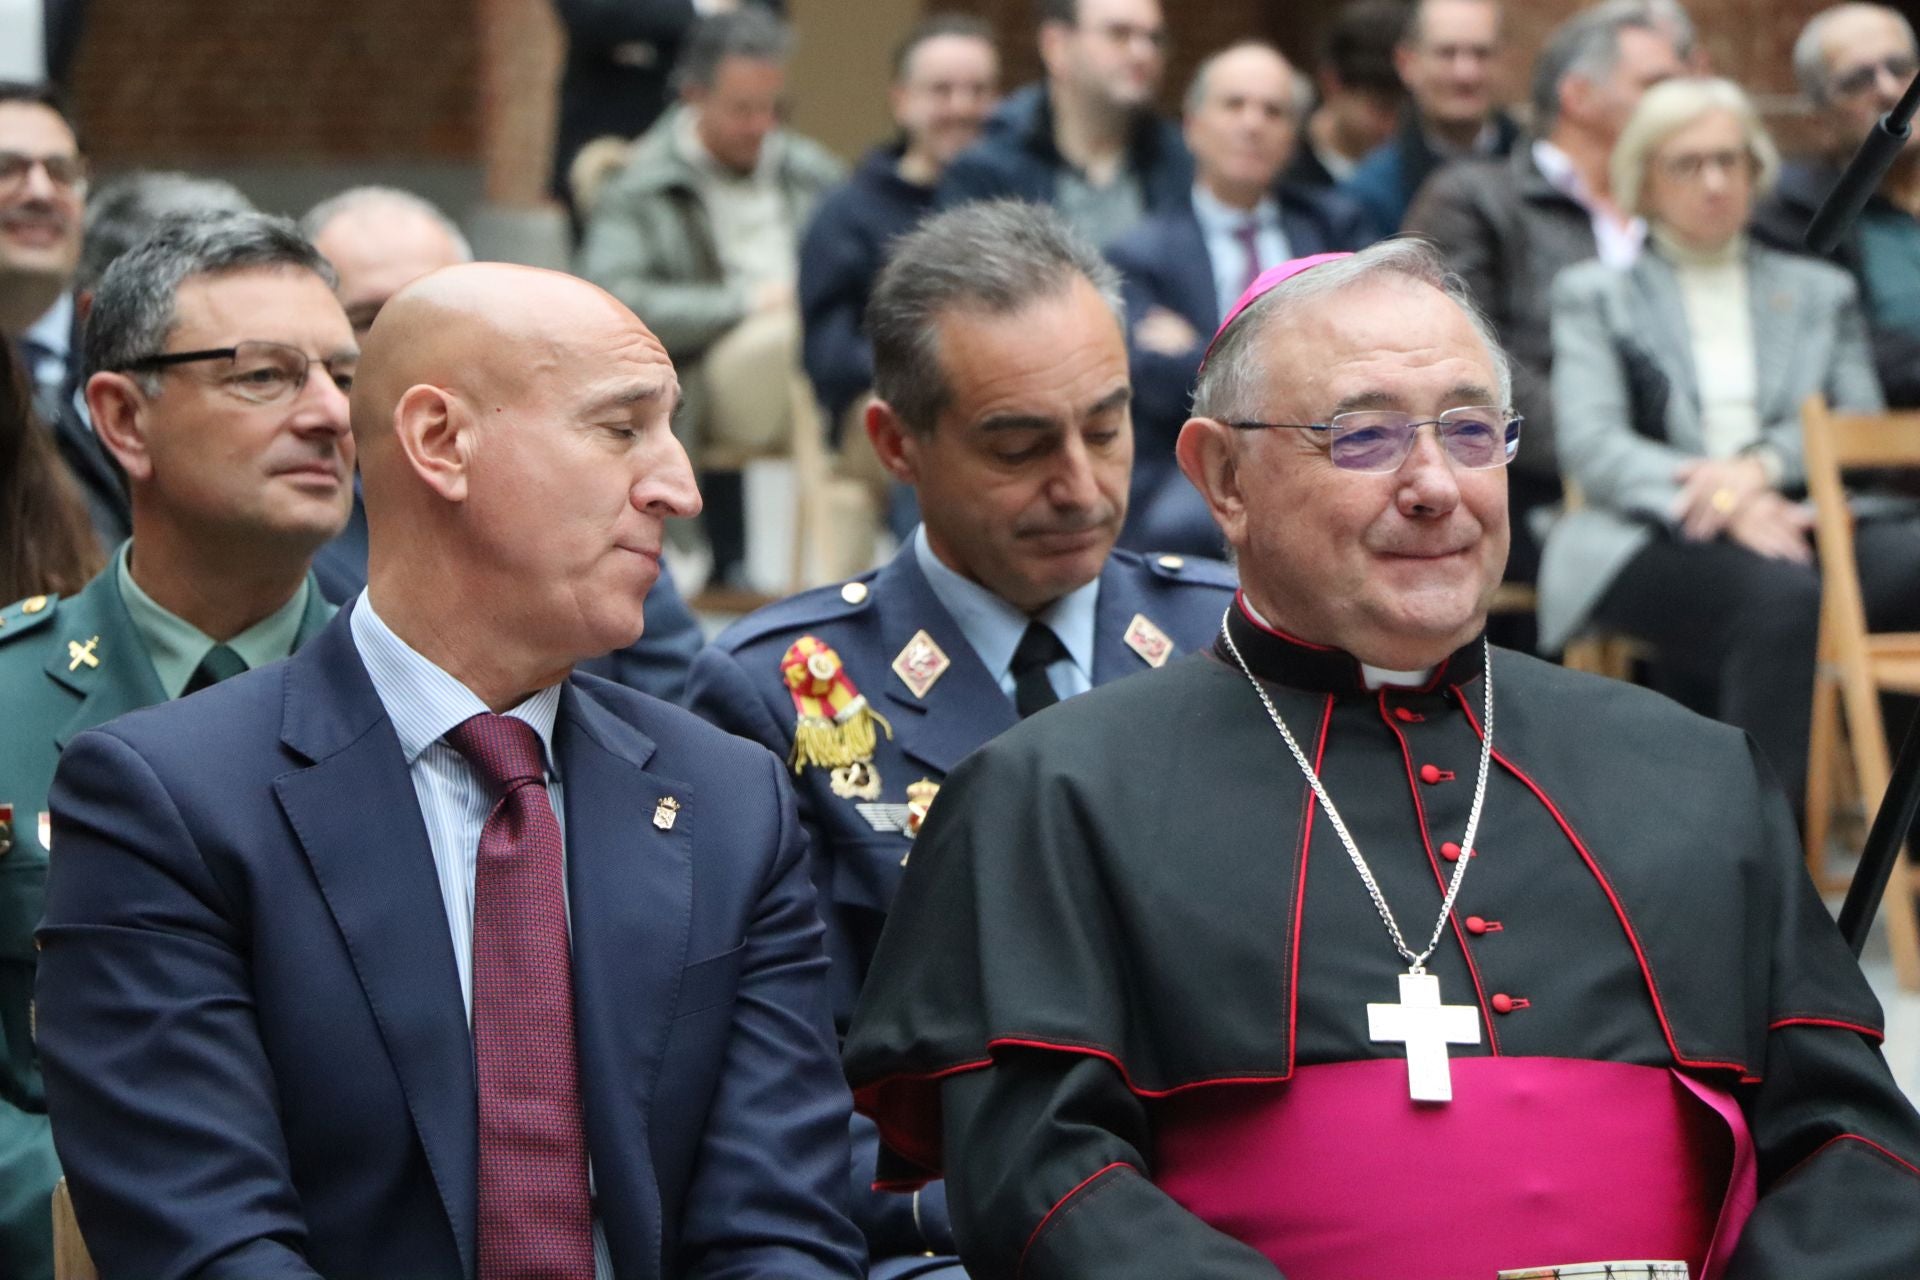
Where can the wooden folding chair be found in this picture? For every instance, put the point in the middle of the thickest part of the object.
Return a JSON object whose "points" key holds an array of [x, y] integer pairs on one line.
{"points": [[70, 1258], [1855, 665]]}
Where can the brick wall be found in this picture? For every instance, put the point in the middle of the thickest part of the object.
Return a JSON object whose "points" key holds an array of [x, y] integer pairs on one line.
{"points": [[186, 82]]}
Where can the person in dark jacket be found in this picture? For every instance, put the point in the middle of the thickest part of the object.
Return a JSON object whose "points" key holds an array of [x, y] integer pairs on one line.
{"points": [[946, 78], [1183, 269], [1085, 140], [1360, 94], [1445, 58], [1510, 226], [1853, 61]]}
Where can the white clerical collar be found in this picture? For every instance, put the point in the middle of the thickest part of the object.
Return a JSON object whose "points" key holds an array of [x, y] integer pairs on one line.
{"points": [[1376, 677]]}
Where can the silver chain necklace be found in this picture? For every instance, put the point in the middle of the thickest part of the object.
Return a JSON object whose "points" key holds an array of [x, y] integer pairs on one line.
{"points": [[1419, 1020]]}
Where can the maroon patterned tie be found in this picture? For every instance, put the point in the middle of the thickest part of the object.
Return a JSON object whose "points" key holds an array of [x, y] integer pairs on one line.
{"points": [[536, 1217], [1248, 234]]}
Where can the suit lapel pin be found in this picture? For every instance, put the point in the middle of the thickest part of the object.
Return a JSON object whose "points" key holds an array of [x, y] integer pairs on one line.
{"points": [[1149, 641], [665, 813], [82, 653], [920, 664]]}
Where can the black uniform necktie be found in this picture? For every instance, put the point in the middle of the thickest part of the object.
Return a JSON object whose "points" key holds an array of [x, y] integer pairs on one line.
{"points": [[219, 663], [1039, 649]]}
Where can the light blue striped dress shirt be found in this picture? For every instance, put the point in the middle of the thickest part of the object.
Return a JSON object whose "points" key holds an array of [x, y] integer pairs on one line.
{"points": [[424, 702]]}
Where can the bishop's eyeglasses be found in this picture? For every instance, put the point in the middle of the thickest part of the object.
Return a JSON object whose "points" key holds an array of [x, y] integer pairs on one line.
{"points": [[258, 372], [1375, 440]]}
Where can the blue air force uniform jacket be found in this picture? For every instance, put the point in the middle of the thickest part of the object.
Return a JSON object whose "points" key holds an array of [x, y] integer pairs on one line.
{"points": [[860, 844]]}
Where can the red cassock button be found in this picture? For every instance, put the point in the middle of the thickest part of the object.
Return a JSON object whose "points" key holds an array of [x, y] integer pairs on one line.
{"points": [[1405, 716], [1430, 773], [1475, 925], [1450, 851], [1502, 1003]]}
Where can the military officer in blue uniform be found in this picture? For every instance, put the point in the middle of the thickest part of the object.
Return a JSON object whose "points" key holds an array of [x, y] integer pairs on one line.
{"points": [[1002, 397], [227, 408]]}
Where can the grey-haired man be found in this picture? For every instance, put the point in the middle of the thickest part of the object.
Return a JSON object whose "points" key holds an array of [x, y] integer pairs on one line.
{"points": [[1136, 998], [217, 362]]}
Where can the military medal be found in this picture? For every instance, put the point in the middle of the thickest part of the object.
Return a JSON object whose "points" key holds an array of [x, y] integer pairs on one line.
{"points": [[920, 664], [835, 727], [1419, 1020], [1149, 641], [46, 831], [6, 828], [856, 781]]}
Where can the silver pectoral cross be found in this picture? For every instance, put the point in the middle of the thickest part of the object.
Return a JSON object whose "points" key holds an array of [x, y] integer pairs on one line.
{"points": [[1426, 1027]]}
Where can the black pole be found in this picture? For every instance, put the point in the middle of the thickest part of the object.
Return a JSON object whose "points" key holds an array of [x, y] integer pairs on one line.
{"points": [[1864, 173], [1893, 824]]}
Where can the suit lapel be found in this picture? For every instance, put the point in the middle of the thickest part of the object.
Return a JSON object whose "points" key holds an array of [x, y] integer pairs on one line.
{"points": [[965, 706], [1662, 323], [1777, 330], [1199, 301], [630, 885], [358, 820], [120, 678]]}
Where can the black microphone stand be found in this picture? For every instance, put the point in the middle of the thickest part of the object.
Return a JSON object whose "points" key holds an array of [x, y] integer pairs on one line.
{"points": [[1893, 824]]}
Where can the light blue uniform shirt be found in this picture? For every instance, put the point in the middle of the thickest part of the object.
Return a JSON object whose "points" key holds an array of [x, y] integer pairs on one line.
{"points": [[993, 627], [1219, 226], [424, 702]]}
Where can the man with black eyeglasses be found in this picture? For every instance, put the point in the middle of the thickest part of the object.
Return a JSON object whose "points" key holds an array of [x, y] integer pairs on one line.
{"points": [[218, 363], [43, 187], [1853, 61], [1086, 139]]}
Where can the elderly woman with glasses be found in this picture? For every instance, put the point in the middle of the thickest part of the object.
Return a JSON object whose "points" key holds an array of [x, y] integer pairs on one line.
{"points": [[1677, 385]]}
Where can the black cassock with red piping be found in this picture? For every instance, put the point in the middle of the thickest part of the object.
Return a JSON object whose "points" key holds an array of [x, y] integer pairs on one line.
{"points": [[1128, 912]]}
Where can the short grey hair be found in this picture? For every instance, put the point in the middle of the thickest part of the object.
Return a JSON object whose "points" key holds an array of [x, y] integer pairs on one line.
{"points": [[1672, 17], [1668, 108], [1237, 380], [747, 32], [1586, 45], [1810, 52], [367, 199], [133, 307], [125, 210], [1300, 92], [992, 258]]}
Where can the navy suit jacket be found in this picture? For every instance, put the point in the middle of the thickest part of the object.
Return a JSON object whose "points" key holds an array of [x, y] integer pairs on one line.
{"points": [[736, 683], [256, 1054], [1164, 262]]}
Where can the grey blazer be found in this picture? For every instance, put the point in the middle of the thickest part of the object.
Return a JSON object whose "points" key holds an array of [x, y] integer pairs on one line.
{"points": [[1627, 407]]}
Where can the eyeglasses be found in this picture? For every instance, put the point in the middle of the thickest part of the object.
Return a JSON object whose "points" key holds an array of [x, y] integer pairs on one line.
{"points": [[69, 172], [1857, 80], [1476, 436], [1692, 166], [1125, 33], [258, 372]]}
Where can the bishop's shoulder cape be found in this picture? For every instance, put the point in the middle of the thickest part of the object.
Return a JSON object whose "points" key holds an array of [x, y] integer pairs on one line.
{"points": [[1139, 879]]}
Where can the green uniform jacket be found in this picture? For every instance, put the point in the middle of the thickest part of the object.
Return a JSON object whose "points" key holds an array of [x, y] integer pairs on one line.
{"points": [[50, 691]]}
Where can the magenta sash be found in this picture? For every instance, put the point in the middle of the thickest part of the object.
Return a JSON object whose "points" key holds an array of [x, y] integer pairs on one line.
{"points": [[1337, 1175]]}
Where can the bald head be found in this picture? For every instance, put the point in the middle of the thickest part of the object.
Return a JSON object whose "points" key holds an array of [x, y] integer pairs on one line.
{"points": [[379, 240], [517, 461]]}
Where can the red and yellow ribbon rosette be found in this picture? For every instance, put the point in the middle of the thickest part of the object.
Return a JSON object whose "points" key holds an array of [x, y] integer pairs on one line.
{"points": [[836, 725]]}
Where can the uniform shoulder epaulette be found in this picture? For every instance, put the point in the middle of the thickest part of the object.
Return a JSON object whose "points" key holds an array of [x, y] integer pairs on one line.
{"points": [[798, 612], [23, 616], [1200, 570]]}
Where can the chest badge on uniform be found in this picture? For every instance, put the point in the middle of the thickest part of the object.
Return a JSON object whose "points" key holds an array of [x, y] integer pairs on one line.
{"points": [[46, 831], [1149, 641], [834, 727], [921, 663], [6, 828], [666, 813], [83, 653]]}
